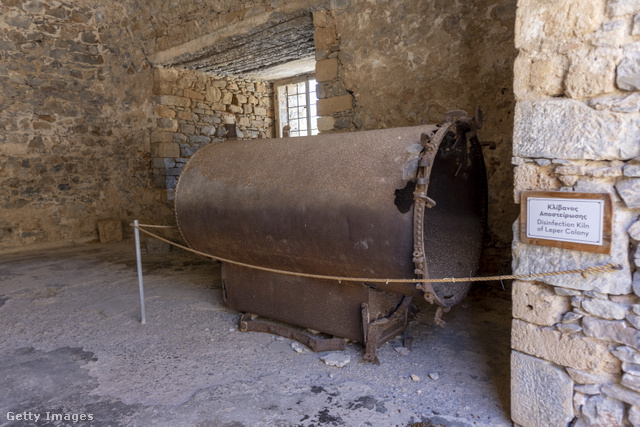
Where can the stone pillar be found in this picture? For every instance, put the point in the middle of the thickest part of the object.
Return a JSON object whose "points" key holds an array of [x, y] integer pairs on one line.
{"points": [[335, 103], [575, 339]]}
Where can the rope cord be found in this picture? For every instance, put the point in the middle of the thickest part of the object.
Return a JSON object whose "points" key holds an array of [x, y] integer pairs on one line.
{"points": [[597, 269]]}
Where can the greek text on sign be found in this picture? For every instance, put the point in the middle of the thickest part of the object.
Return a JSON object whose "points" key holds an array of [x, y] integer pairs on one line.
{"points": [[568, 220]]}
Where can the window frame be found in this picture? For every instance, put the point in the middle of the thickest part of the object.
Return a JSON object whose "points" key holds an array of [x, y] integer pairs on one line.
{"points": [[291, 80]]}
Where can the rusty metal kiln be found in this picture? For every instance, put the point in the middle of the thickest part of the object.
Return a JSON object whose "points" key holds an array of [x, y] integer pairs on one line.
{"points": [[347, 204]]}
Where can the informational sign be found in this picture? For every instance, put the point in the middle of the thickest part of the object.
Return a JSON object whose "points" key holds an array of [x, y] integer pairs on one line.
{"points": [[579, 221]]}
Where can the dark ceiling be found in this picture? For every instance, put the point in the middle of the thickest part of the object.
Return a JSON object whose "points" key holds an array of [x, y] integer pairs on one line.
{"points": [[280, 40]]}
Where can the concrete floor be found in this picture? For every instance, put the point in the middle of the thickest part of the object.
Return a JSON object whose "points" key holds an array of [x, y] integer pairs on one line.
{"points": [[71, 344]]}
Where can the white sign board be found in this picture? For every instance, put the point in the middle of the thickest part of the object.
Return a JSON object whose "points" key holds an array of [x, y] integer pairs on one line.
{"points": [[566, 220]]}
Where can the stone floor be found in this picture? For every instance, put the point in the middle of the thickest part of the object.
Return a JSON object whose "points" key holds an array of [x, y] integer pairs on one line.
{"points": [[72, 348]]}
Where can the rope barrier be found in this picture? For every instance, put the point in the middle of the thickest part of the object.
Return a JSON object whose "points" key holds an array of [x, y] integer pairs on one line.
{"points": [[584, 271]]}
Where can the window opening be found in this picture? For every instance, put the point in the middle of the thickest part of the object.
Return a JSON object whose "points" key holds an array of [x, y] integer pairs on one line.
{"points": [[296, 100]]}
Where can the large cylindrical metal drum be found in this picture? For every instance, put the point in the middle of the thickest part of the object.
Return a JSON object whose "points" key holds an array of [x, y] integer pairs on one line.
{"points": [[338, 204]]}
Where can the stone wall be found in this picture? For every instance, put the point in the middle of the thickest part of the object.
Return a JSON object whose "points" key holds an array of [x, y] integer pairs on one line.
{"points": [[88, 130], [392, 64], [575, 339], [383, 65], [75, 116], [387, 64], [193, 109]]}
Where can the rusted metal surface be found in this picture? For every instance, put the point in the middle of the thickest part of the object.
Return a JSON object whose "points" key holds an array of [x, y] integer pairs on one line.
{"points": [[323, 305], [381, 330], [317, 344], [321, 204], [340, 205]]}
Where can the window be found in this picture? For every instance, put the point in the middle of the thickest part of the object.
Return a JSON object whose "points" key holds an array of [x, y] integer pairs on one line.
{"points": [[296, 100]]}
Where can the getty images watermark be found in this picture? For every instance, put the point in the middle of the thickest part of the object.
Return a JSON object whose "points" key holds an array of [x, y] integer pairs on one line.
{"points": [[47, 416]]}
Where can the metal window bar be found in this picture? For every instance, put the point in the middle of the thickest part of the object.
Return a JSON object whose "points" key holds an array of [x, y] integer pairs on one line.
{"points": [[291, 111], [306, 85]]}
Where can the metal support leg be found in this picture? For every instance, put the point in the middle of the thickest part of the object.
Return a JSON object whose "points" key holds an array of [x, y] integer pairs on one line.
{"points": [[139, 258]]}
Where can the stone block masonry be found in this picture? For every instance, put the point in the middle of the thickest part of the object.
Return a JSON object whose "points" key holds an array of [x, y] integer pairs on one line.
{"points": [[576, 129], [549, 385], [335, 103], [193, 109], [109, 230], [327, 70], [74, 122]]}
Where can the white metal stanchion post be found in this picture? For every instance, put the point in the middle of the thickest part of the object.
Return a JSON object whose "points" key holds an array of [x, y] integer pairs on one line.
{"points": [[139, 257]]}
